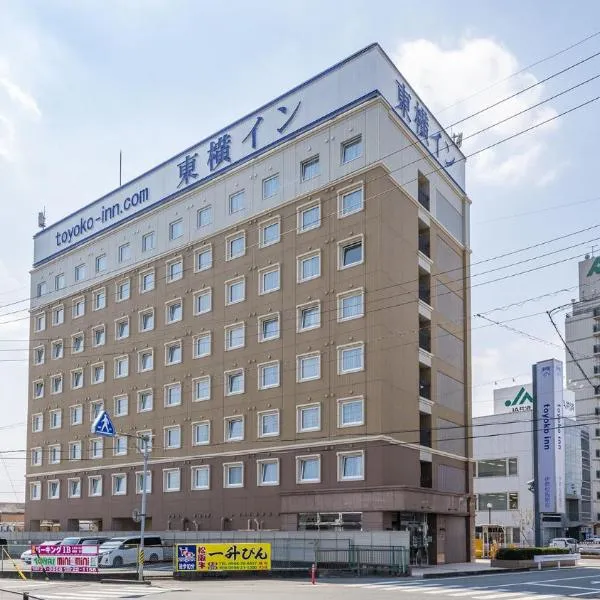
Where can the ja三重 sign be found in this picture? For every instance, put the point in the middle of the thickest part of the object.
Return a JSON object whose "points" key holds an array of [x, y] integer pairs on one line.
{"points": [[64, 559], [224, 557]]}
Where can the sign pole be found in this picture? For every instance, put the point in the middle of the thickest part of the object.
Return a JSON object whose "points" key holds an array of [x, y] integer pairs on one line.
{"points": [[144, 440], [536, 476]]}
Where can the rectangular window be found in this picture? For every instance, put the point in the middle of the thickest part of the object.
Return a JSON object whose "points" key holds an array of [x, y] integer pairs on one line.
{"points": [[80, 272], [145, 401], [99, 335], [76, 379], [308, 469], [39, 355], [203, 258], [174, 270], [235, 336], [77, 343], [74, 486], [237, 202], [35, 490], [350, 253], [309, 217], [95, 485], [54, 454], [351, 305], [204, 216], [513, 466], [96, 407], [351, 358], [36, 457], [78, 307], [270, 232], [270, 186], [201, 387], [491, 467], [308, 418], [171, 480], [38, 389], [351, 149], [269, 280], [124, 252], [56, 419], [268, 423], [122, 328], [121, 406], [234, 382], [176, 229], [74, 450], [236, 245], [148, 241], [119, 445], [96, 448], [234, 429], [201, 433], [60, 281], [309, 266], [139, 483], [233, 475], [351, 466], [101, 263], [235, 290], [123, 290], [268, 327], [147, 281], [268, 471], [201, 477], [42, 289], [174, 311], [309, 169], [146, 320], [173, 353], [350, 203], [119, 484], [57, 349], [497, 500], [56, 382], [76, 414], [203, 302], [351, 412], [513, 501], [54, 489], [268, 375], [172, 437], [58, 315], [308, 367], [37, 423], [173, 394], [309, 316], [99, 299], [203, 345], [146, 360], [39, 322], [98, 373]]}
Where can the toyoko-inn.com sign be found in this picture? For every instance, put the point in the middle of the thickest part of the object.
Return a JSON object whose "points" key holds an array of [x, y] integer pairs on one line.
{"points": [[367, 74]]}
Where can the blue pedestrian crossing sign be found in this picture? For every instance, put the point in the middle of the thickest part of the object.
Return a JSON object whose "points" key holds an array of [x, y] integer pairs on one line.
{"points": [[102, 425]]}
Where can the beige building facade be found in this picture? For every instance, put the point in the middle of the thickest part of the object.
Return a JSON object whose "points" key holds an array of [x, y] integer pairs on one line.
{"points": [[290, 327]]}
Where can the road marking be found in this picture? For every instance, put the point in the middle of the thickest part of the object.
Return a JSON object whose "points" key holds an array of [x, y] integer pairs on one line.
{"points": [[500, 594], [470, 592], [444, 590], [567, 587]]}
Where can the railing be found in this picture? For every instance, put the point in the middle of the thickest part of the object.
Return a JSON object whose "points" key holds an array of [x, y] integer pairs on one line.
{"points": [[365, 560]]}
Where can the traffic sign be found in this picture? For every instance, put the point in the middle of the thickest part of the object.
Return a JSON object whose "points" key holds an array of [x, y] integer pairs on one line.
{"points": [[136, 515], [102, 425]]}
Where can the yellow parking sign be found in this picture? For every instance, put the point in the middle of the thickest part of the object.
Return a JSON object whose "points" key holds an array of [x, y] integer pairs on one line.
{"points": [[235, 556]]}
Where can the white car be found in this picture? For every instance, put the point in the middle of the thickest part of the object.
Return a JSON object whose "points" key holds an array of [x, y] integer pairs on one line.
{"points": [[570, 544], [121, 551], [26, 556]]}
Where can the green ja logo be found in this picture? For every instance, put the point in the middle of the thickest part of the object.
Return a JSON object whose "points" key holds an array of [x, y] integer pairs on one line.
{"points": [[595, 268], [521, 398]]}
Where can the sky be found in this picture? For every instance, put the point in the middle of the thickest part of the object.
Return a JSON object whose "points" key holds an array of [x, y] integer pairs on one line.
{"points": [[80, 81]]}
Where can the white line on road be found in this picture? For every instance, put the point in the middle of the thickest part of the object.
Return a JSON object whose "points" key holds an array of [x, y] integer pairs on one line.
{"points": [[567, 587], [444, 590], [467, 592], [500, 594]]}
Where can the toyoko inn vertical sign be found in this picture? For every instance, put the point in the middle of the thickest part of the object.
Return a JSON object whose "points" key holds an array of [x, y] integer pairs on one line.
{"points": [[550, 439]]}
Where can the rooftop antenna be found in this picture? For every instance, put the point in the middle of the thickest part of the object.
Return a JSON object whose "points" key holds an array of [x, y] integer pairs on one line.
{"points": [[457, 138], [120, 166], [42, 219]]}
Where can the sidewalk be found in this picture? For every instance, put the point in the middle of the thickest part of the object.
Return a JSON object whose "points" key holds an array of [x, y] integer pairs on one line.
{"points": [[477, 567]]}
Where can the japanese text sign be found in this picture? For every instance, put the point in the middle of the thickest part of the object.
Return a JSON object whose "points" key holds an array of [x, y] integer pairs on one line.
{"points": [[64, 559], [224, 557]]}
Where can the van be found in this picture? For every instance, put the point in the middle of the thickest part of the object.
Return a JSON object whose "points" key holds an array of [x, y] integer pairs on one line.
{"points": [[83, 541], [568, 543], [120, 551]]}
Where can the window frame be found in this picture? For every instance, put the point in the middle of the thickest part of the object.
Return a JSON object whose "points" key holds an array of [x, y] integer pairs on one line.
{"points": [[195, 381], [237, 194], [263, 226], [228, 244], [122, 359], [340, 406], [168, 304], [39, 358], [139, 396], [74, 337], [340, 357], [227, 421], [143, 288], [52, 482], [207, 209], [276, 268], [53, 378], [99, 293], [349, 143], [94, 336], [315, 159], [58, 343], [119, 297], [80, 272], [166, 473], [200, 251], [173, 385], [74, 373], [306, 457], [170, 277], [100, 263], [193, 470], [173, 344], [299, 359], [304, 208], [72, 445], [195, 425], [259, 472], [118, 477], [143, 313], [39, 322], [340, 303], [229, 373], [166, 432], [260, 371], [196, 339], [274, 316], [266, 180], [91, 492], [51, 413], [77, 302], [59, 309], [340, 456], [299, 409], [299, 265], [226, 469], [229, 285], [74, 410], [345, 243], [149, 235], [300, 308], [124, 252], [207, 292], [259, 427], [228, 329], [116, 400], [344, 193], [93, 380], [71, 480], [174, 227]]}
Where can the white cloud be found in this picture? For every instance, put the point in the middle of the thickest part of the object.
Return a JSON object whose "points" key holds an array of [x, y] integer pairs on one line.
{"points": [[446, 77], [19, 96]]}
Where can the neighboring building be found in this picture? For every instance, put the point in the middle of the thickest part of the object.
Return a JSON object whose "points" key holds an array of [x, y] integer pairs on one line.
{"points": [[284, 309], [12, 516]]}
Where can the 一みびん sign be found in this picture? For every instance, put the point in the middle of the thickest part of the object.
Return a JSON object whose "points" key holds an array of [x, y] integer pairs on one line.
{"points": [[223, 557]]}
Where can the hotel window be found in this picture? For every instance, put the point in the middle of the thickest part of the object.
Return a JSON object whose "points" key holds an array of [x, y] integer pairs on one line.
{"points": [[54, 454], [36, 457], [76, 414], [309, 266], [268, 375], [204, 216], [147, 281], [173, 353], [145, 360], [310, 168], [77, 342], [119, 484], [145, 401], [351, 305], [96, 407], [201, 433], [203, 345], [139, 484], [234, 429], [174, 270], [42, 289], [270, 232], [351, 358], [351, 149], [309, 217], [173, 437], [35, 490], [173, 394], [234, 382], [270, 186], [267, 471], [350, 202], [74, 485], [39, 355], [56, 384], [38, 389], [95, 485], [351, 412], [351, 466], [122, 328], [236, 245], [203, 258], [269, 280], [80, 272], [237, 202], [74, 450], [99, 335], [201, 387], [171, 480], [308, 469], [76, 379], [146, 320], [174, 311], [57, 349], [56, 419], [350, 253], [96, 448], [268, 327], [39, 322], [58, 315], [98, 373], [99, 299], [308, 418], [308, 367], [37, 423], [119, 445], [148, 241], [201, 477], [54, 489], [123, 290], [124, 252], [59, 281], [309, 316], [175, 229], [235, 290], [233, 475], [235, 336], [268, 423], [203, 302], [121, 405], [101, 263]]}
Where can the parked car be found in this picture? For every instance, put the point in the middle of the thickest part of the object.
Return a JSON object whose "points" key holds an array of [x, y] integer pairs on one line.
{"points": [[570, 543], [26, 556], [592, 540], [120, 551], [83, 541]]}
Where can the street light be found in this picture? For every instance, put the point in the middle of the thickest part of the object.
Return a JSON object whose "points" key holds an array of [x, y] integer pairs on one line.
{"points": [[489, 507]]}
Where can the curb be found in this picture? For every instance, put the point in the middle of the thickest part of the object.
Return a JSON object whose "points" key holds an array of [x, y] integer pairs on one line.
{"points": [[129, 581], [469, 573]]}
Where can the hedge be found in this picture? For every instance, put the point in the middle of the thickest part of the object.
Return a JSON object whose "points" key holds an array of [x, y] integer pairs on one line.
{"points": [[527, 553]]}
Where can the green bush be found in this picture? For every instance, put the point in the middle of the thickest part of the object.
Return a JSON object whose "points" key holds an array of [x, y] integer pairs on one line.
{"points": [[527, 553]]}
